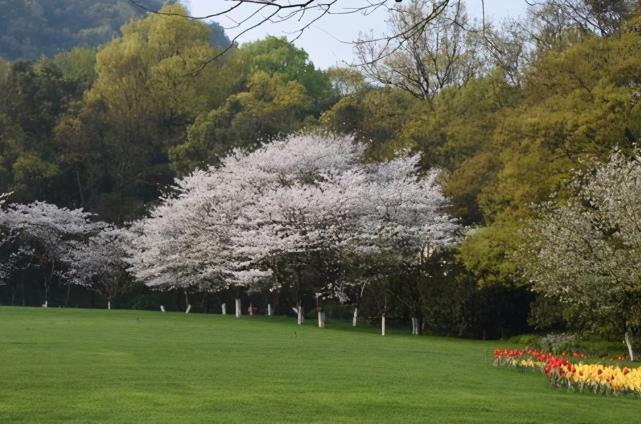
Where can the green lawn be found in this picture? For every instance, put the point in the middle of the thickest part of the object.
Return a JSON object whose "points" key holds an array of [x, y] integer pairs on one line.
{"points": [[91, 366]]}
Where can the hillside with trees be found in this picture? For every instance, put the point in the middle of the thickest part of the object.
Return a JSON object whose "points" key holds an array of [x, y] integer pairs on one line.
{"points": [[30, 29]]}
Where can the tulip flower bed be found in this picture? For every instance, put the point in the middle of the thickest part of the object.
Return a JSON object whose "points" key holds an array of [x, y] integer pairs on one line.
{"points": [[562, 373]]}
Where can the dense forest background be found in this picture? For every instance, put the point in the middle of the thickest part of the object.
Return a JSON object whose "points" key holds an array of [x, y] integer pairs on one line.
{"points": [[101, 107]]}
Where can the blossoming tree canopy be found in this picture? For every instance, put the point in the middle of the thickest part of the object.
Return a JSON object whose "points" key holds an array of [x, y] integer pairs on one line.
{"points": [[47, 230], [98, 262], [290, 200], [586, 252]]}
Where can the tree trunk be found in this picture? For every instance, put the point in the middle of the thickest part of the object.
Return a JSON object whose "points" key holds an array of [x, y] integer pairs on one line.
{"points": [[162, 308], [382, 325], [239, 311], [187, 303], [301, 316], [223, 309], [68, 295], [269, 309], [628, 343], [415, 327], [46, 303], [321, 319], [204, 304], [109, 305], [355, 317], [47, 282], [22, 290], [80, 193]]}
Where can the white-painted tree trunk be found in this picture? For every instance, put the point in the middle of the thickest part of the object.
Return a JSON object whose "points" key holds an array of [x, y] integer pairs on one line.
{"points": [[321, 319], [46, 304], [301, 317], [239, 311], [162, 308], [628, 343], [355, 317], [188, 309], [269, 309], [223, 309], [415, 329], [383, 325], [109, 305]]}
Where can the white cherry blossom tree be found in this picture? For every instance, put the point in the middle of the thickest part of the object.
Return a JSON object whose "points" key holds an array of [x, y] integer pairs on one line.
{"points": [[98, 263], [46, 230], [586, 252], [306, 202]]}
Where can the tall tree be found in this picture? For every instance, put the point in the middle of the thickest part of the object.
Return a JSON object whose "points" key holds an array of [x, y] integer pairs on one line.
{"points": [[426, 59]]}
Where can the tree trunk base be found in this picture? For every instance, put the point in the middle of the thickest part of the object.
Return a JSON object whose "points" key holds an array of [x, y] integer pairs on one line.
{"points": [[628, 343], [239, 311], [416, 330], [300, 315]]}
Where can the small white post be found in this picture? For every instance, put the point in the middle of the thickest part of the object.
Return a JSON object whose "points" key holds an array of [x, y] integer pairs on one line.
{"points": [[355, 317], [162, 308], [239, 312], [383, 325], [269, 309], [321, 319], [223, 308], [188, 309]]}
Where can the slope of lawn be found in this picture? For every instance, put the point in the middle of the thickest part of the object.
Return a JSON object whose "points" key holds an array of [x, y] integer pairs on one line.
{"points": [[91, 366]]}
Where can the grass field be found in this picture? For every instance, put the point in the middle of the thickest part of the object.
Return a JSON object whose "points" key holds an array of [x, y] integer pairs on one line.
{"points": [[91, 366]]}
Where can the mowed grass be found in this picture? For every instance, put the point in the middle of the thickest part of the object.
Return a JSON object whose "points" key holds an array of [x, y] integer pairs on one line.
{"points": [[92, 366]]}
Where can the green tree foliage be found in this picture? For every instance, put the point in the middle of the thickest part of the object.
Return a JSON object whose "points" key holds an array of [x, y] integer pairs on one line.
{"points": [[265, 88], [32, 100], [375, 116], [77, 64], [149, 87], [452, 133], [577, 105], [268, 108], [276, 56]]}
